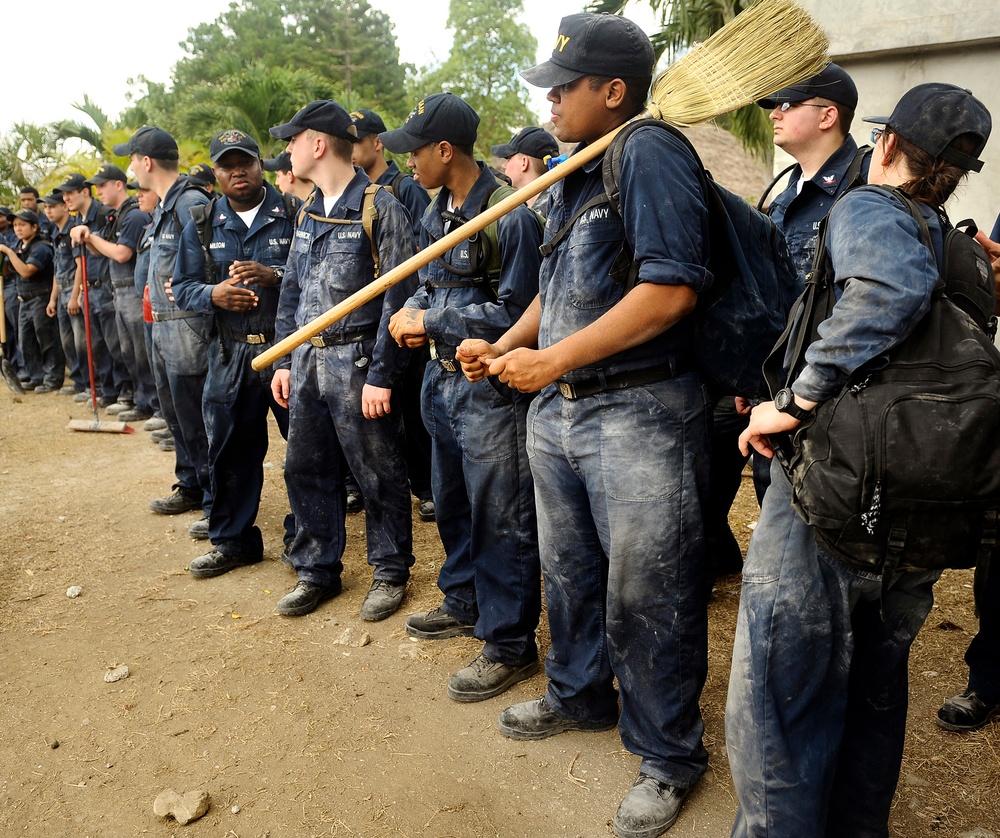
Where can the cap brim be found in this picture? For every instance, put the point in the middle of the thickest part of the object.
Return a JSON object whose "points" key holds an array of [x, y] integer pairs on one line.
{"points": [[786, 94], [215, 158], [506, 150], [271, 165], [876, 120], [122, 150], [550, 74], [285, 131], [400, 141]]}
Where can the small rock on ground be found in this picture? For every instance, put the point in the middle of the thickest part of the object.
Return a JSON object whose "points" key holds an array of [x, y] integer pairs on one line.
{"points": [[183, 808], [350, 637], [116, 674]]}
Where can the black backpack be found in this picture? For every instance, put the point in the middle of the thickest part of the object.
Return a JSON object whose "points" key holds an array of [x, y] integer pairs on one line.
{"points": [[742, 314], [484, 247], [901, 470]]}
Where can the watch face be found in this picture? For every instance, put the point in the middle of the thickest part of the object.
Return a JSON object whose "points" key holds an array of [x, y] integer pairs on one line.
{"points": [[782, 399]]}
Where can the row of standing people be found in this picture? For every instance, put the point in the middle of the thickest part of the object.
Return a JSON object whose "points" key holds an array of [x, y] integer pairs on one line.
{"points": [[601, 481]]}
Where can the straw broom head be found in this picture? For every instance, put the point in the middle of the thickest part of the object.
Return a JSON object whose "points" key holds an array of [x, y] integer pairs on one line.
{"points": [[770, 45]]}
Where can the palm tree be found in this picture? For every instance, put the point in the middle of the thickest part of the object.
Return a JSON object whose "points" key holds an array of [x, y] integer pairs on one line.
{"points": [[250, 98], [29, 155], [686, 22], [92, 136]]}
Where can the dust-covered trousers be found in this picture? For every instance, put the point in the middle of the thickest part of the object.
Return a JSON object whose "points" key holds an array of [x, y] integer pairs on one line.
{"points": [[621, 480], [816, 711]]}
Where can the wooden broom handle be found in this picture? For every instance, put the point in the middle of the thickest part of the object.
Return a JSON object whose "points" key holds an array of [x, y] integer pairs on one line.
{"points": [[438, 248]]}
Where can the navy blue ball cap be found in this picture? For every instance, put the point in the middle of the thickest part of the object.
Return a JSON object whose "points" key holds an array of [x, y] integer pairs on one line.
{"points": [[7, 213], [436, 118], [74, 183], [202, 174], [933, 115], [27, 215], [594, 45], [108, 171], [832, 82], [149, 141], [281, 163], [55, 197], [535, 142], [325, 116], [231, 140], [367, 122]]}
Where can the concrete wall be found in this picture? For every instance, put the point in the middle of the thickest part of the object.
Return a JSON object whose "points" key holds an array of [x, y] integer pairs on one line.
{"points": [[888, 47]]}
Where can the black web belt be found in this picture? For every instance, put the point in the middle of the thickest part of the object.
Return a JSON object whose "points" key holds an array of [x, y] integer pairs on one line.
{"points": [[621, 380], [347, 337]]}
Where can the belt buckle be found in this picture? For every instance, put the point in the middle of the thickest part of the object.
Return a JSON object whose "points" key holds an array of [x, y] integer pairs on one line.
{"points": [[567, 390], [317, 340], [448, 365], [255, 340]]}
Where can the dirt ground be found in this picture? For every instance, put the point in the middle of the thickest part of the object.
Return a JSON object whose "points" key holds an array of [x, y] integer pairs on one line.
{"points": [[293, 734]]}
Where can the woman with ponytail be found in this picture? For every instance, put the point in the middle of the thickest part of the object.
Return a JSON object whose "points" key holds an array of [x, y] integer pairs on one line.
{"points": [[817, 703]]}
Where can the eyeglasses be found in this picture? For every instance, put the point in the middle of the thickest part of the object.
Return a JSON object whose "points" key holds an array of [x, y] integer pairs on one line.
{"points": [[784, 107], [877, 134]]}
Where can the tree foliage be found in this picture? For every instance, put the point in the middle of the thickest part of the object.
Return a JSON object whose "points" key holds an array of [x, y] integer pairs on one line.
{"points": [[347, 43], [33, 155], [250, 99], [490, 47], [686, 22]]}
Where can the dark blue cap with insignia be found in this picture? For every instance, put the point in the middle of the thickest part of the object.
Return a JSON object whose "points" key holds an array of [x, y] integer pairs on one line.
{"points": [[591, 44], [108, 171], [74, 183], [55, 197], [437, 118], [231, 140], [367, 122]]}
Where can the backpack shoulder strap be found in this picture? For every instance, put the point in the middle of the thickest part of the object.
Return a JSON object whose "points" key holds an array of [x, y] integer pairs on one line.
{"points": [[772, 184], [369, 215], [292, 204], [625, 270], [202, 215], [852, 177], [396, 181]]}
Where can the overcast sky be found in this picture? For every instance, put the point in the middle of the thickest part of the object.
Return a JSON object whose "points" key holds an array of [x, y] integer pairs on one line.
{"points": [[58, 40]]}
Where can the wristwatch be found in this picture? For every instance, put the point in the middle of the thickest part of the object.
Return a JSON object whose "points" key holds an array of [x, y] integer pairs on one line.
{"points": [[784, 401], [279, 273]]}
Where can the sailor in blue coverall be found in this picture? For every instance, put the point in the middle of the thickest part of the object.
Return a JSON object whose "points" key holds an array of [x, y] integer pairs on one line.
{"points": [[180, 338], [248, 246], [483, 492], [339, 386]]}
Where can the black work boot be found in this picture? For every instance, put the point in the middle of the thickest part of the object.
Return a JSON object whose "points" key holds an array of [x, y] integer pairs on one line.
{"points": [[182, 500]]}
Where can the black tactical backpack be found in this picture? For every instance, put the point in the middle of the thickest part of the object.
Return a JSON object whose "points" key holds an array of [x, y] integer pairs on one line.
{"points": [[902, 468]]}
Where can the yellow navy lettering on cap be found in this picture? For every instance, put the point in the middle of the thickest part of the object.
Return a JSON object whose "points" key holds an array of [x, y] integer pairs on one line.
{"points": [[561, 41]]}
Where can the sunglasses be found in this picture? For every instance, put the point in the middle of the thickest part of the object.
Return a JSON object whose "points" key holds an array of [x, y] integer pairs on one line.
{"points": [[877, 134], [785, 107]]}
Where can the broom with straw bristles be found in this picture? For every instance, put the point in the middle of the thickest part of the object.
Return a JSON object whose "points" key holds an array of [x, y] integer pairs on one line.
{"points": [[771, 45]]}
